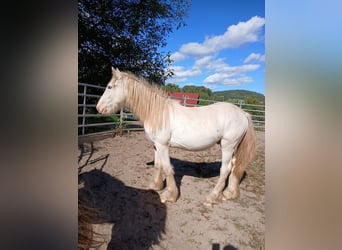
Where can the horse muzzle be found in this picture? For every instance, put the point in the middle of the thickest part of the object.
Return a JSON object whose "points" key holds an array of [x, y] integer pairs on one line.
{"points": [[101, 108]]}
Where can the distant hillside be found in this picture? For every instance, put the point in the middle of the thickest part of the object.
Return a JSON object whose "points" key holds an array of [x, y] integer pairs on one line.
{"points": [[240, 95]]}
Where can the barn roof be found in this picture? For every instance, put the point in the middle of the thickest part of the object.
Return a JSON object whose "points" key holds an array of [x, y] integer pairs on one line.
{"points": [[191, 99]]}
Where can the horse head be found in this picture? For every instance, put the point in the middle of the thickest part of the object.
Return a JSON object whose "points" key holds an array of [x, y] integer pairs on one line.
{"points": [[114, 97]]}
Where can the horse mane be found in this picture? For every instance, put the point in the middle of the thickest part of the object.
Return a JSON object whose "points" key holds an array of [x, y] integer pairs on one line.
{"points": [[147, 101]]}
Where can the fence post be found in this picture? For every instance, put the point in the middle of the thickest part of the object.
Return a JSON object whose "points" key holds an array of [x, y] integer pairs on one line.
{"points": [[121, 117], [84, 108], [240, 103], [184, 102]]}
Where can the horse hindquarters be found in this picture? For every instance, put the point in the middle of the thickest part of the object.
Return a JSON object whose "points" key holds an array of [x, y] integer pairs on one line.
{"points": [[243, 155]]}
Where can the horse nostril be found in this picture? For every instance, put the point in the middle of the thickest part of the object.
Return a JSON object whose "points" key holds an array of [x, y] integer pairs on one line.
{"points": [[99, 108]]}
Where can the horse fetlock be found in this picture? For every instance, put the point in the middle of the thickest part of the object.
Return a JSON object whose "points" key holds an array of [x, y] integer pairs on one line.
{"points": [[157, 186], [169, 195], [229, 194]]}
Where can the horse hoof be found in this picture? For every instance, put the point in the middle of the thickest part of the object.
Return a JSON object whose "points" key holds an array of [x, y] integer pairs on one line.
{"points": [[212, 199], [230, 195], [168, 195]]}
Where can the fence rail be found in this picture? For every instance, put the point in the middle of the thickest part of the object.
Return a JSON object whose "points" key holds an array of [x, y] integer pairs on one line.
{"points": [[90, 122]]}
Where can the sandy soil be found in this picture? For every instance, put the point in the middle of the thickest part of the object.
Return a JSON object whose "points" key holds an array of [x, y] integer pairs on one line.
{"points": [[115, 172]]}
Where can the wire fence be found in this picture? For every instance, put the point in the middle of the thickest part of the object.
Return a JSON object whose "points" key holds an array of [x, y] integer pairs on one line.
{"points": [[90, 122]]}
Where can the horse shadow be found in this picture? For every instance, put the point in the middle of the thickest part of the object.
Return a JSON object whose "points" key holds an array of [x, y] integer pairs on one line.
{"points": [[84, 160], [201, 170], [137, 215]]}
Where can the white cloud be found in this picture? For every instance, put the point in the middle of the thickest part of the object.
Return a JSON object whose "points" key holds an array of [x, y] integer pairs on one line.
{"points": [[210, 86], [209, 63], [177, 56], [205, 55], [232, 75], [235, 36], [215, 78], [255, 57], [181, 74], [226, 79], [203, 62], [240, 69], [222, 73], [237, 81]]}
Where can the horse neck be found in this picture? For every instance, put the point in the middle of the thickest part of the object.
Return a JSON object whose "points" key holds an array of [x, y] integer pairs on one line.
{"points": [[147, 103]]}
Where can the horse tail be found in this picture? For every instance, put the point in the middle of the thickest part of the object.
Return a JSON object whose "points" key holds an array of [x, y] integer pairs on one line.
{"points": [[245, 151]]}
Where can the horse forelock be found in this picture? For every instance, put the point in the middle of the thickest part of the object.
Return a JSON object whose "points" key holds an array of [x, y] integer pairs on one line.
{"points": [[147, 101]]}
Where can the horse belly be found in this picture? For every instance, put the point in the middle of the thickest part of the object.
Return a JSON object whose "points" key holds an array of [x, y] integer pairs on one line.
{"points": [[194, 140]]}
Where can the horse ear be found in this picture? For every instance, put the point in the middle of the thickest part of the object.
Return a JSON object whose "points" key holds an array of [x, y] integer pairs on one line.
{"points": [[118, 73]]}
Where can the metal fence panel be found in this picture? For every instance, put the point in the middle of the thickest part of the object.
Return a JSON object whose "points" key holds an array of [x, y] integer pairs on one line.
{"points": [[126, 121]]}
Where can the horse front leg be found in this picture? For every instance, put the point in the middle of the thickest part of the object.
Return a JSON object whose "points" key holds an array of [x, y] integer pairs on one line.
{"points": [[157, 183], [171, 190]]}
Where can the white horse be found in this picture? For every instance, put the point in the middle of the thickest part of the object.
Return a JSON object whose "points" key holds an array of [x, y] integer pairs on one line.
{"points": [[167, 123]]}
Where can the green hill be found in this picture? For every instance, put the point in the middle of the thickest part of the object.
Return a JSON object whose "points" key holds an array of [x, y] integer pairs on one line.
{"points": [[235, 95]]}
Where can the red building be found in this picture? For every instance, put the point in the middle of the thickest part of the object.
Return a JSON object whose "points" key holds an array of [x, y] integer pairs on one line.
{"points": [[185, 99]]}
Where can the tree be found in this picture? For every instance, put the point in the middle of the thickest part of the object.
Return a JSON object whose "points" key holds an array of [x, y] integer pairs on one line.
{"points": [[171, 87], [251, 100], [126, 34]]}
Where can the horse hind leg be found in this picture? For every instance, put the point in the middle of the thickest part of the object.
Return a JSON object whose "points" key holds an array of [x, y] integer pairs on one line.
{"points": [[226, 166], [157, 183], [171, 191], [233, 189], [243, 154]]}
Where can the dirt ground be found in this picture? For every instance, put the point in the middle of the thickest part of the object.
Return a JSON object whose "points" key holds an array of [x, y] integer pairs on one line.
{"points": [[115, 172]]}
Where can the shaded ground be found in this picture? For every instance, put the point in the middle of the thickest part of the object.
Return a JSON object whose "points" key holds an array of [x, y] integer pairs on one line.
{"points": [[114, 174]]}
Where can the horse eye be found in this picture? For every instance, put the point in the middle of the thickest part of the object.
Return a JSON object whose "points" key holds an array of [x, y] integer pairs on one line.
{"points": [[109, 86]]}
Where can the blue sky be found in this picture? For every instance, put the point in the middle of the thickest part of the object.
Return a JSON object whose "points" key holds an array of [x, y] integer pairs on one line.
{"points": [[222, 47]]}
